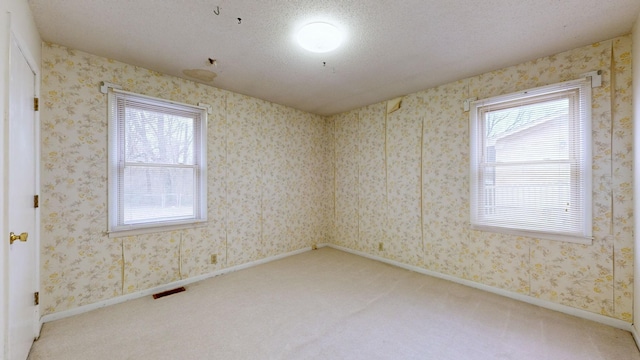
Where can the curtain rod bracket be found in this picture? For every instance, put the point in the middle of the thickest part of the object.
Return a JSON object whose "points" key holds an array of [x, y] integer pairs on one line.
{"points": [[596, 77], [467, 103], [208, 107], [104, 86]]}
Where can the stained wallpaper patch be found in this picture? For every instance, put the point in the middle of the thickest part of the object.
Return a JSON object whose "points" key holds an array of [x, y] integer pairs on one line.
{"points": [[281, 180]]}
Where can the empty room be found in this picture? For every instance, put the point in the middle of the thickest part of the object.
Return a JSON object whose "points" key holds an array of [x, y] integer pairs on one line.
{"points": [[319, 179]]}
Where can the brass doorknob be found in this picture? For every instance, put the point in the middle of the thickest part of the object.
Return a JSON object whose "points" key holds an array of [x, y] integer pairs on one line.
{"points": [[13, 237]]}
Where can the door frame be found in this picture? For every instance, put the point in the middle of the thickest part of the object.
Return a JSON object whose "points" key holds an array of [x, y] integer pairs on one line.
{"points": [[13, 34]]}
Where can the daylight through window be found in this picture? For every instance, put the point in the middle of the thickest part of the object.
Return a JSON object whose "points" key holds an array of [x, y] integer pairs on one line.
{"points": [[157, 164], [531, 162]]}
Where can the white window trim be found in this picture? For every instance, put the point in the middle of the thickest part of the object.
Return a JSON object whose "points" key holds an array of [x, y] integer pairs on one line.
{"points": [[113, 229], [586, 237]]}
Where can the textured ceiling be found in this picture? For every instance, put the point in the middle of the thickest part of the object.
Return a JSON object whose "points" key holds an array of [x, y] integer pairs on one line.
{"points": [[392, 48]]}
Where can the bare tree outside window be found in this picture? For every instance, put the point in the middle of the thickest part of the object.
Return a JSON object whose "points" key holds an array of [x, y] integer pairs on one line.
{"points": [[154, 144], [160, 162]]}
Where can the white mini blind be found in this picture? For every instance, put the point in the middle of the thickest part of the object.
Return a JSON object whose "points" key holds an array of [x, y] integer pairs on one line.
{"points": [[531, 162], [157, 162]]}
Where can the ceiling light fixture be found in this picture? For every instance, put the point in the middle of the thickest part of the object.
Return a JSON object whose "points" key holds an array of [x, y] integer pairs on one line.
{"points": [[319, 37]]}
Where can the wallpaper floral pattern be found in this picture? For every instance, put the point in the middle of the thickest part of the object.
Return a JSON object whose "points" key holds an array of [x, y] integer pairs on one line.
{"points": [[430, 132], [281, 180], [269, 176]]}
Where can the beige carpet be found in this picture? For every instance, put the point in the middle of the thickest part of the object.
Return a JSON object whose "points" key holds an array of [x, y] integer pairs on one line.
{"points": [[328, 304]]}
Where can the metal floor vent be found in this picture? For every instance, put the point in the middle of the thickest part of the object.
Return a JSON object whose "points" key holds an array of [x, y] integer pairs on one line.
{"points": [[169, 292]]}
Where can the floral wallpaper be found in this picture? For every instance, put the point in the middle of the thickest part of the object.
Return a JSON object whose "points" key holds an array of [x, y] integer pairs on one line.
{"points": [[269, 176], [281, 180], [372, 196], [414, 164]]}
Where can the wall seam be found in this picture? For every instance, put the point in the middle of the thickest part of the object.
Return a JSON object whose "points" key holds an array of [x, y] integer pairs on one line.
{"points": [[386, 176], [226, 180], [612, 90], [261, 154], [180, 258], [123, 263], [424, 255], [359, 244], [335, 181]]}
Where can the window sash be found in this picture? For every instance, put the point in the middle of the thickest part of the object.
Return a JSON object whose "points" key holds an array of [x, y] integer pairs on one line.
{"points": [[124, 196], [119, 103], [571, 223]]}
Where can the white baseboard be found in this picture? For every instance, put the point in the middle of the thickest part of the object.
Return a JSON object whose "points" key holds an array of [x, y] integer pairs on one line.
{"points": [[165, 287], [516, 296], [636, 337], [524, 298]]}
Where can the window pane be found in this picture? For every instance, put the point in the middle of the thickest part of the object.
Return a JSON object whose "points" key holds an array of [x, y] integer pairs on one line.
{"points": [[157, 163], [532, 132], [158, 193], [529, 196], [531, 162], [153, 137]]}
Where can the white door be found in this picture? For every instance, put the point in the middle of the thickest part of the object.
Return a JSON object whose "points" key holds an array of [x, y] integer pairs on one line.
{"points": [[22, 214]]}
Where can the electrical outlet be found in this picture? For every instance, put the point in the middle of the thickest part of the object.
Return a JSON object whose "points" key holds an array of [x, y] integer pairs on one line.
{"points": [[380, 246], [214, 259]]}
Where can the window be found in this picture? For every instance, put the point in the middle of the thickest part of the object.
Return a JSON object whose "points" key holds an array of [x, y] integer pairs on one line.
{"points": [[157, 163], [531, 163]]}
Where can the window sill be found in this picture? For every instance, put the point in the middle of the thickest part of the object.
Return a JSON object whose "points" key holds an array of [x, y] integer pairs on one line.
{"points": [[535, 234], [140, 230]]}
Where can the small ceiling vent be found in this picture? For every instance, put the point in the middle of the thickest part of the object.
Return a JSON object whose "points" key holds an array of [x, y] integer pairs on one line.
{"points": [[200, 74]]}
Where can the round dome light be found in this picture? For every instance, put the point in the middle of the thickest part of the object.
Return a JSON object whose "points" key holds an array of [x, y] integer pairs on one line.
{"points": [[319, 37]]}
